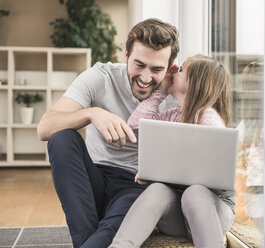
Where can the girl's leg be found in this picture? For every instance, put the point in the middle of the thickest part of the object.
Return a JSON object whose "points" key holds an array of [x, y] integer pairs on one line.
{"points": [[144, 214], [208, 217]]}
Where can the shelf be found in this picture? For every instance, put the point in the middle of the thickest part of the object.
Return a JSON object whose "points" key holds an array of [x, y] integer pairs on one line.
{"points": [[59, 89], [28, 87], [20, 125], [26, 163], [20, 157], [45, 70]]}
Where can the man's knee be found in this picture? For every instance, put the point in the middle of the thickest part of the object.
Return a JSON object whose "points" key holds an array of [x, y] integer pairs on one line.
{"points": [[63, 142], [61, 137], [64, 145]]}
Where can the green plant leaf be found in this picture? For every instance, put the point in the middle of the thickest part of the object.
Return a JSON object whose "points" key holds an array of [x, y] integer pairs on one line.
{"points": [[86, 26], [28, 98]]}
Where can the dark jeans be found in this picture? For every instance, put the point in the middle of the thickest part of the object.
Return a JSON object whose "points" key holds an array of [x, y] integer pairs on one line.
{"points": [[95, 198]]}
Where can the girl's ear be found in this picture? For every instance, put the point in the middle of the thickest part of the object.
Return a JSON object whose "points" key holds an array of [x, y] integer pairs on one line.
{"points": [[173, 68]]}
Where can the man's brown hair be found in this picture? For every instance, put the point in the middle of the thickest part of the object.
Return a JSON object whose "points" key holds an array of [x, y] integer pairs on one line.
{"points": [[155, 34]]}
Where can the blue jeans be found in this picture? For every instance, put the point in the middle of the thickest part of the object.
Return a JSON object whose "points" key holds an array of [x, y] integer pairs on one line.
{"points": [[95, 198]]}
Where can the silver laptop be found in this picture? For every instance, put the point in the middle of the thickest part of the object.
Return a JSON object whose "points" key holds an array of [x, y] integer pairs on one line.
{"points": [[187, 154]]}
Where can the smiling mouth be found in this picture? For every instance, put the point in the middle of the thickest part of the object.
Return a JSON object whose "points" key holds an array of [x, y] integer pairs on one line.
{"points": [[142, 85]]}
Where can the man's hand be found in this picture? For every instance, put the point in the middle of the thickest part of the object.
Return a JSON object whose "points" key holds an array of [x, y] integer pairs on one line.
{"points": [[111, 126], [138, 180]]}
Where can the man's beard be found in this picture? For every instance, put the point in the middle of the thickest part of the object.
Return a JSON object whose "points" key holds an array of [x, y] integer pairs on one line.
{"points": [[145, 93]]}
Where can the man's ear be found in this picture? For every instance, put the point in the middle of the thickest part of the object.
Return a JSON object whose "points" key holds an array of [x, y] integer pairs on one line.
{"points": [[173, 68]]}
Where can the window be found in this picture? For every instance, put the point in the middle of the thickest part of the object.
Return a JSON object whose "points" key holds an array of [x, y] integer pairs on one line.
{"points": [[237, 38], [233, 31]]}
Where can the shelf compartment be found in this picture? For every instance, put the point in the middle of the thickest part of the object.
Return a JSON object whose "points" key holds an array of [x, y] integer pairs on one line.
{"points": [[3, 78], [30, 68], [30, 78], [27, 146], [62, 79], [39, 107], [3, 145], [3, 67], [3, 108], [69, 62]]}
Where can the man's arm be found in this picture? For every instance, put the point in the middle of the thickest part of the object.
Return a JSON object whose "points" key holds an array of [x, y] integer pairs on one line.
{"points": [[67, 113]]}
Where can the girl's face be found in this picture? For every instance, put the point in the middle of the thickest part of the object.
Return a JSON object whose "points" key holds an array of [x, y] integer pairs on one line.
{"points": [[180, 81]]}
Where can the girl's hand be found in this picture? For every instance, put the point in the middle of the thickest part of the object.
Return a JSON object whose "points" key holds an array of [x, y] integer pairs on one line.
{"points": [[168, 79], [137, 180]]}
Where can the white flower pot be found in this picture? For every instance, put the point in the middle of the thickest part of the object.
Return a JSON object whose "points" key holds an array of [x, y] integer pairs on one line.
{"points": [[26, 115]]}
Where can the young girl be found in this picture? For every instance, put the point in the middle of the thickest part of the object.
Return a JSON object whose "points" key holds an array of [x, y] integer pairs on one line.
{"points": [[202, 87]]}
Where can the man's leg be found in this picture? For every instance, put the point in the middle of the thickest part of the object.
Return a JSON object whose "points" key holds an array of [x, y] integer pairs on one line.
{"points": [[78, 182], [109, 225]]}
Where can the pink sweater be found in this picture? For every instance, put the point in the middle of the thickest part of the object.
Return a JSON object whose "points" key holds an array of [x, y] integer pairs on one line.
{"points": [[147, 109]]}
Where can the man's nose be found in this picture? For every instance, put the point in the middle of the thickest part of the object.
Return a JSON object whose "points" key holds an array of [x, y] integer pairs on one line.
{"points": [[146, 76]]}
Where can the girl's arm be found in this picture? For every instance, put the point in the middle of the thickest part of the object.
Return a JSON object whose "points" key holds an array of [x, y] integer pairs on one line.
{"points": [[147, 109]]}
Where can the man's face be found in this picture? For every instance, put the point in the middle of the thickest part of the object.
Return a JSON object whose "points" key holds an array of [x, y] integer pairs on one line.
{"points": [[146, 69]]}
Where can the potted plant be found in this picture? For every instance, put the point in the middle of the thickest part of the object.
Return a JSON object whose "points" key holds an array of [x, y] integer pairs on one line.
{"points": [[86, 26], [27, 99]]}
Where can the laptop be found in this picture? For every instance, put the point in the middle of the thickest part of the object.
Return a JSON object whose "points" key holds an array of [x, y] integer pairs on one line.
{"points": [[187, 154]]}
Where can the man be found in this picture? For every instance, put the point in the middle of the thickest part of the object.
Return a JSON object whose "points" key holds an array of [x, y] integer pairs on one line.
{"points": [[95, 182]]}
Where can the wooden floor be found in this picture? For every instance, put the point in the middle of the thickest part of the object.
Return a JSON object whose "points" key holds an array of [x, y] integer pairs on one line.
{"points": [[28, 198]]}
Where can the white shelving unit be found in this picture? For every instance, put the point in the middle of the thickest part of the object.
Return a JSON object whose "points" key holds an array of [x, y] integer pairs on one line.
{"points": [[48, 71]]}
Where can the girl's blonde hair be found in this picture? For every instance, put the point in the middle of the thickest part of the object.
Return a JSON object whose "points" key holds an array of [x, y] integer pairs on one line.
{"points": [[208, 86]]}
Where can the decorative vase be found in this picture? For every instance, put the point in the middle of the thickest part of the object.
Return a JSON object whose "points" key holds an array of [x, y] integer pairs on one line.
{"points": [[26, 115]]}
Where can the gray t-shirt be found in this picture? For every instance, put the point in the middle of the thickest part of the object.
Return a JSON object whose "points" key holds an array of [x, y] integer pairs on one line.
{"points": [[107, 86]]}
